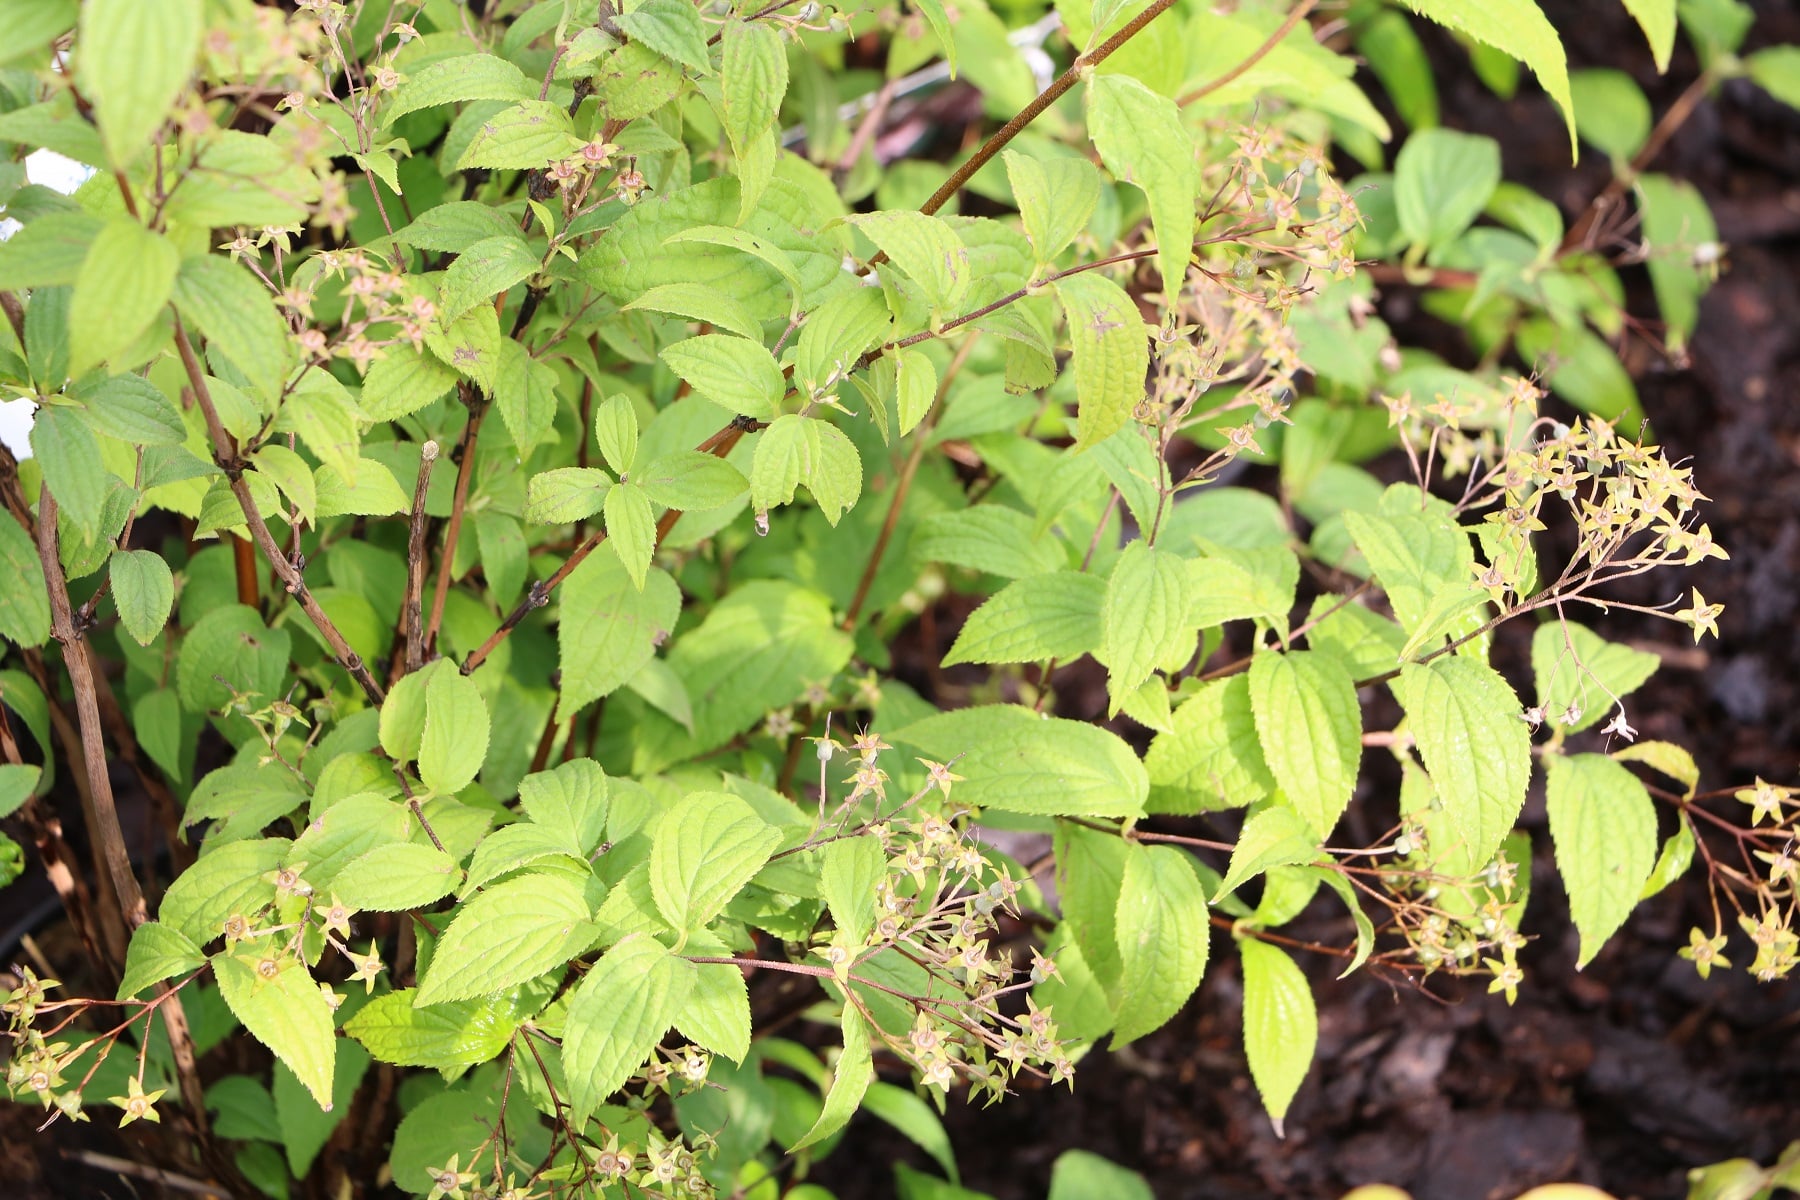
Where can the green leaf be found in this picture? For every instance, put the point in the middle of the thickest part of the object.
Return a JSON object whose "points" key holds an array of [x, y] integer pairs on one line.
{"points": [[566, 494], [1581, 367], [915, 388], [691, 480], [1276, 836], [707, 848], [1083, 1175], [473, 347], [238, 317], [631, 528], [511, 932], [733, 372], [698, 303], [1442, 180], [1680, 235], [402, 381], [1310, 726], [797, 450], [123, 284], [157, 952], [402, 722], [1672, 760], [1110, 351], [17, 783], [1611, 112], [570, 801], [1421, 559], [48, 252], [906, 1112], [1016, 761], [1211, 757], [1281, 1026], [1604, 826], [285, 1012], [610, 627], [850, 870], [483, 271], [1657, 18], [1032, 619], [455, 80], [1517, 28], [753, 79], [625, 1004], [1365, 928], [926, 249], [1464, 719], [528, 135], [850, 1079], [455, 737], [32, 25], [1162, 927], [225, 882], [24, 600], [1579, 672], [321, 411], [1391, 47], [673, 29], [1056, 199], [441, 1036], [230, 644], [293, 476], [1673, 861], [1144, 620], [990, 538], [133, 410], [717, 1013], [1775, 69], [144, 590], [836, 336], [307, 1125], [1143, 142], [132, 60], [398, 877]]}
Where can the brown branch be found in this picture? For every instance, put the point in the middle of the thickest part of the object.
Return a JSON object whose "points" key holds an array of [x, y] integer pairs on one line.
{"points": [[477, 404], [538, 595], [243, 558], [1050, 95], [15, 314], [225, 452], [414, 609], [1294, 17]]}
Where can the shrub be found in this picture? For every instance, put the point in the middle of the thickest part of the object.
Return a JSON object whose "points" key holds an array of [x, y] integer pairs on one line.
{"points": [[484, 464]]}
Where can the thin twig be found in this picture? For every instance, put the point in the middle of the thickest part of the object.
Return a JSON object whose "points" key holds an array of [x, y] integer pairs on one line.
{"points": [[477, 404], [134, 1170], [1294, 17], [414, 614], [225, 451]]}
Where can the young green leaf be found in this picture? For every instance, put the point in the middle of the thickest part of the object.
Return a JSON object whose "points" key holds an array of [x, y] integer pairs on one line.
{"points": [[456, 80], [631, 528], [1581, 677], [402, 381], [134, 60], [24, 604], [836, 336], [123, 284], [849, 1080], [1611, 112], [281, 1006], [225, 882], [566, 494], [157, 952], [483, 271], [1442, 180], [454, 740], [610, 626], [1480, 765], [697, 302], [990, 538], [691, 480], [1111, 354], [1276, 836], [144, 590], [753, 79], [1083, 1175], [1056, 198], [1679, 234], [1657, 18], [1144, 621], [1143, 142], [1016, 761], [1604, 825], [1163, 928], [717, 1013], [733, 372], [512, 932], [795, 451], [1310, 727], [673, 29], [707, 848], [926, 249], [1032, 619], [1517, 28], [625, 1004], [525, 136], [237, 315], [1211, 757], [1281, 1025], [17, 783], [850, 870], [441, 1036], [133, 410], [398, 877]]}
